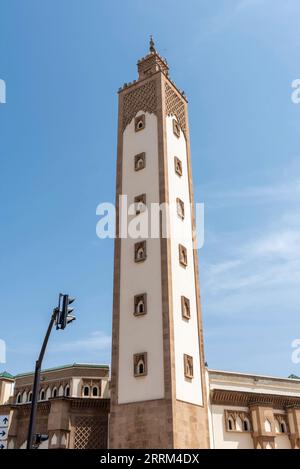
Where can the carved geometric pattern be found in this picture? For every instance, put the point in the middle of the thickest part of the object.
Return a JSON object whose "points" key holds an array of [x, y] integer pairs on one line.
{"points": [[175, 106], [142, 98], [90, 433]]}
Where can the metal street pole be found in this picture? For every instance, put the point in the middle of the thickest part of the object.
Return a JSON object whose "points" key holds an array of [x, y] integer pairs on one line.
{"points": [[36, 385]]}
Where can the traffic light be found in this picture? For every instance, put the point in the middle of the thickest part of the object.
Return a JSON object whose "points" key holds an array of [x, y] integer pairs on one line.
{"points": [[39, 438], [64, 316]]}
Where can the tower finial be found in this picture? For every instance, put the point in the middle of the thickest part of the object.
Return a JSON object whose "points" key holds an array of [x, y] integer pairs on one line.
{"points": [[152, 45]]}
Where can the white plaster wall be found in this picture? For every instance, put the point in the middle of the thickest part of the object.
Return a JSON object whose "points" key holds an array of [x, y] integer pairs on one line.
{"points": [[224, 439], [8, 391], [253, 383], [282, 442], [105, 388], [183, 279], [75, 390], [141, 334]]}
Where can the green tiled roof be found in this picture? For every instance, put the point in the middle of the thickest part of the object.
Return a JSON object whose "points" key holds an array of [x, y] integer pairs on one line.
{"points": [[6, 375], [294, 377], [63, 367]]}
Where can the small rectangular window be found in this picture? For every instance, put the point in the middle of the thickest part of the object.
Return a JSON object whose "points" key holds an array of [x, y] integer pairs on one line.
{"points": [[140, 253], [140, 161], [178, 166], [139, 123], [182, 255], [176, 128], [140, 304], [185, 308], [140, 367], [188, 366], [140, 203], [180, 208]]}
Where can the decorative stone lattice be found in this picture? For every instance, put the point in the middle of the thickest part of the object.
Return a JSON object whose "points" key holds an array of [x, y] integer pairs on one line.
{"points": [[90, 433], [175, 106], [142, 98]]}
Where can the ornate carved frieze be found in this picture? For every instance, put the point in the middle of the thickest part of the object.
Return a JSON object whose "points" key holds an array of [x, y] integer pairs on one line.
{"points": [[244, 399], [142, 98], [175, 106]]}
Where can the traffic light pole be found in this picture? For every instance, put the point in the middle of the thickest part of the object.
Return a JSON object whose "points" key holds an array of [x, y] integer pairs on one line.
{"points": [[36, 384]]}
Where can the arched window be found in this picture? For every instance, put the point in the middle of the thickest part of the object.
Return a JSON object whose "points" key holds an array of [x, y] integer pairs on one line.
{"points": [[141, 367], [282, 427], [54, 392], [86, 391], [95, 391], [140, 304], [67, 391], [141, 307], [19, 398], [140, 364], [246, 425], [230, 424], [30, 396], [42, 395], [61, 390], [140, 253]]}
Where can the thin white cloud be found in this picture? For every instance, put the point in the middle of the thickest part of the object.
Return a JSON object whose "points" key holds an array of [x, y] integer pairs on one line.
{"points": [[278, 192], [97, 341], [246, 4], [264, 270]]}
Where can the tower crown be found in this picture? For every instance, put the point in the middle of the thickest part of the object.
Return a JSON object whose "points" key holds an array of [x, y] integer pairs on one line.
{"points": [[152, 63]]}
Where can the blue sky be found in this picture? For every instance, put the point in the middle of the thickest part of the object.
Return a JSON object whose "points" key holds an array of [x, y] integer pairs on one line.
{"points": [[63, 62]]}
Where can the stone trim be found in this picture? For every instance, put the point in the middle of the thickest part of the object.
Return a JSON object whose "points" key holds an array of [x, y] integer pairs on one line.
{"points": [[246, 399]]}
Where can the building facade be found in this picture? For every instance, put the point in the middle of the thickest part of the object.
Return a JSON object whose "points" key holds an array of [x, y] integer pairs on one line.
{"points": [[244, 411], [253, 412], [161, 394], [72, 410], [158, 393]]}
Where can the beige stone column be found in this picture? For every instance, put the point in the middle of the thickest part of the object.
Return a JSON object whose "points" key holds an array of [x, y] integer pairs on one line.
{"points": [[13, 429], [59, 424], [294, 425], [263, 433]]}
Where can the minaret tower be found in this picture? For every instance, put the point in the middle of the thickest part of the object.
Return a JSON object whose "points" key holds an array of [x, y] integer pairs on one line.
{"points": [[158, 393]]}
